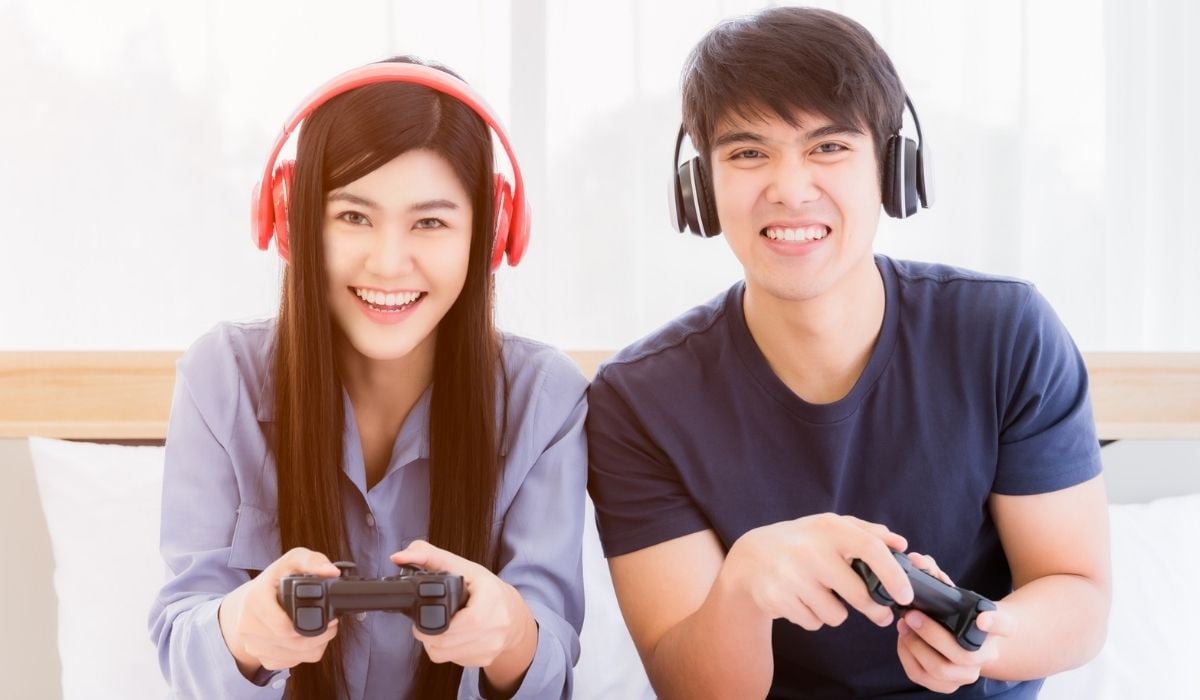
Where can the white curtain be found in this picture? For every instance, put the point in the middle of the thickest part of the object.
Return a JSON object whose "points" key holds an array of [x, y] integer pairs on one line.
{"points": [[131, 134]]}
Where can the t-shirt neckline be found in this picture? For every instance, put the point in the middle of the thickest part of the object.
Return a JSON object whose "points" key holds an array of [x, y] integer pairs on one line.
{"points": [[755, 363]]}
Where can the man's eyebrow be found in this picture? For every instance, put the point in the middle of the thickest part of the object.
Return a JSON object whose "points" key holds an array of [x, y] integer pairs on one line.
{"points": [[737, 137], [834, 130], [819, 133]]}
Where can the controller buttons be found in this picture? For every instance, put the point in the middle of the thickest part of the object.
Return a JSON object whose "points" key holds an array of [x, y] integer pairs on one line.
{"points": [[431, 590], [310, 619], [974, 637], [309, 591], [433, 616]]}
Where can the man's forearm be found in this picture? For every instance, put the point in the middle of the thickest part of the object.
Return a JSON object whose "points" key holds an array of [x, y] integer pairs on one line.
{"points": [[722, 650], [1062, 621]]}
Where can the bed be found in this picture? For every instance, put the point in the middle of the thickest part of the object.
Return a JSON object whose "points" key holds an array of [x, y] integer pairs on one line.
{"points": [[80, 517]]}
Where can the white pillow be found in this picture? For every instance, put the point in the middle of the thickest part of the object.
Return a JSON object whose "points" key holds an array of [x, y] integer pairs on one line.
{"points": [[609, 665], [102, 505], [1154, 626]]}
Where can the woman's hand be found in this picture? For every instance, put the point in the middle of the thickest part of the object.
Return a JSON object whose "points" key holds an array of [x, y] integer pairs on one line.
{"points": [[495, 631], [929, 653], [257, 630]]}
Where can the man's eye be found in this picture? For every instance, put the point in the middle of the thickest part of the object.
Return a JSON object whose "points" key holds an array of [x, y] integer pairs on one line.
{"points": [[830, 148], [430, 223], [353, 217], [747, 154]]}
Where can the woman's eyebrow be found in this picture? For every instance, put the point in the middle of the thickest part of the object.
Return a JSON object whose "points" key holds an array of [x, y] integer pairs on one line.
{"points": [[432, 204], [341, 196]]}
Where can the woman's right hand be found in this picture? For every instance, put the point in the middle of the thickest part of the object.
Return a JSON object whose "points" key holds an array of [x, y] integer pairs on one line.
{"points": [[256, 629]]}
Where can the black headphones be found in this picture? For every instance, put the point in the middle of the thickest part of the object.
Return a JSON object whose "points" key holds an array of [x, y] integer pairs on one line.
{"points": [[906, 181]]}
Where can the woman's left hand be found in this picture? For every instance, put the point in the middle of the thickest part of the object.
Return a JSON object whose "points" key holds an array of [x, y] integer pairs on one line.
{"points": [[495, 631], [929, 653]]}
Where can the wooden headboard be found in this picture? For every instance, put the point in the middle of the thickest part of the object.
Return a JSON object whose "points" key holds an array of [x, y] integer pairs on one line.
{"points": [[127, 395]]}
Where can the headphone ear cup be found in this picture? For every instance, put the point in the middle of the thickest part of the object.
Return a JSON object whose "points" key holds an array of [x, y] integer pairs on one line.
{"points": [[504, 241], [900, 178], [698, 211], [675, 202], [706, 203], [260, 219], [890, 196], [908, 177], [281, 192], [924, 176]]}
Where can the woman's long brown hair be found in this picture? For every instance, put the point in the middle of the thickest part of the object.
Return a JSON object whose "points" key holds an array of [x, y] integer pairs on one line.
{"points": [[343, 140]]}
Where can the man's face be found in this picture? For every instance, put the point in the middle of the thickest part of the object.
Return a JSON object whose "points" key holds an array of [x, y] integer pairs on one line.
{"points": [[798, 205]]}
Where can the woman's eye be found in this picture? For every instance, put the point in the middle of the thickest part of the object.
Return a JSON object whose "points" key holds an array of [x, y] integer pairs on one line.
{"points": [[430, 223], [830, 148], [353, 217]]}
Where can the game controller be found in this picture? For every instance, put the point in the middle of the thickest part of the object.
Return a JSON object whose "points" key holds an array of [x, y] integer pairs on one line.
{"points": [[429, 598], [952, 607]]}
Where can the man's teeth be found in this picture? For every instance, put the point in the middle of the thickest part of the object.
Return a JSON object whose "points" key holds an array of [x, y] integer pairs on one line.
{"points": [[380, 299], [808, 233]]}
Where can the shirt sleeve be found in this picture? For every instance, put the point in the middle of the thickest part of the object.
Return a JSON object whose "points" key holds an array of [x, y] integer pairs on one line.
{"points": [[199, 513], [540, 546], [639, 496], [1047, 432]]}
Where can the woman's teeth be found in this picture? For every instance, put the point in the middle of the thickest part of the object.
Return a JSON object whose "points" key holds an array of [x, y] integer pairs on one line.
{"points": [[395, 300]]}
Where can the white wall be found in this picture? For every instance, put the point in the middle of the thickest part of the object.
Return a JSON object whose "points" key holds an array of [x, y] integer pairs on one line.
{"points": [[131, 133]]}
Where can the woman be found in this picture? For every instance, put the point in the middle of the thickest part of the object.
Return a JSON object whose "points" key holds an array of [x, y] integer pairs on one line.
{"points": [[379, 419]]}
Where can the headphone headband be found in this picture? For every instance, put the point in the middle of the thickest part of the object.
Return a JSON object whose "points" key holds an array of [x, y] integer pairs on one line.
{"points": [[440, 81]]}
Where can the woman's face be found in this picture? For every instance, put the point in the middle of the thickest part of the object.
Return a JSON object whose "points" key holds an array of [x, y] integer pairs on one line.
{"points": [[397, 242]]}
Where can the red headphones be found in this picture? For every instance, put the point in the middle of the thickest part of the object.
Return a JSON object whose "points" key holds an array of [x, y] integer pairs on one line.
{"points": [[268, 207]]}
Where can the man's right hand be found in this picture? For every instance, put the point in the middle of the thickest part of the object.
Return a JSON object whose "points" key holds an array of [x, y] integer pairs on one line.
{"points": [[258, 631], [799, 570]]}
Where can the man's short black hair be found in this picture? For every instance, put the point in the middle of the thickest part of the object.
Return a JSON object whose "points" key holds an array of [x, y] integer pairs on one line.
{"points": [[787, 60]]}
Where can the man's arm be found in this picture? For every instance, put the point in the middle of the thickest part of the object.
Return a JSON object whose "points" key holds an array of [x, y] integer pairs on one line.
{"points": [[1057, 546], [1056, 616], [702, 620], [695, 639]]}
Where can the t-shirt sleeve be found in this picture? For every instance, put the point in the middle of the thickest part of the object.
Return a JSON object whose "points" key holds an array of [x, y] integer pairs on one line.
{"points": [[639, 496], [1047, 432]]}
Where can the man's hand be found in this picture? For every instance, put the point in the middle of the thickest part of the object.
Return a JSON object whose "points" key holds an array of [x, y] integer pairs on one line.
{"points": [[800, 570]]}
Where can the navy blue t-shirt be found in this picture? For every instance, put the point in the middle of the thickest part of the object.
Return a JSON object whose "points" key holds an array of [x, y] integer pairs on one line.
{"points": [[974, 387]]}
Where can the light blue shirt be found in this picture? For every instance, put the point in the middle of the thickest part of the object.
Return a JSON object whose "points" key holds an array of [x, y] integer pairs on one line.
{"points": [[220, 504]]}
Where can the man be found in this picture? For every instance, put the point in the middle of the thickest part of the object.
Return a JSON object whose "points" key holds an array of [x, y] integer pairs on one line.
{"points": [[838, 405]]}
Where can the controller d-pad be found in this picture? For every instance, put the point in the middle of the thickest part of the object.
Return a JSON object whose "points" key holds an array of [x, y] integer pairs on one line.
{"points": [[431, 590], [310, 618], [309, 590], [433, 616]]}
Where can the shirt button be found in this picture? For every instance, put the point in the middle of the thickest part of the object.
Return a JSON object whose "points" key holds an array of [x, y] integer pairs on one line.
{"points": [[279, 684], [360, 616], [370, 520]]}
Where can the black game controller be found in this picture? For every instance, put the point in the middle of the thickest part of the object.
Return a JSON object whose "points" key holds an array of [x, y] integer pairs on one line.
{"points": [[429, 598], [952, 607]]}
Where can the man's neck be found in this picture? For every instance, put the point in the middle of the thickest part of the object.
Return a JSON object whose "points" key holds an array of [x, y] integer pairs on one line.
{"points": [[820, 346]]}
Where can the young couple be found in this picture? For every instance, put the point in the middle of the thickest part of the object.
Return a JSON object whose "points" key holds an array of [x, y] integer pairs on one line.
{"points": [[833, 405]]}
